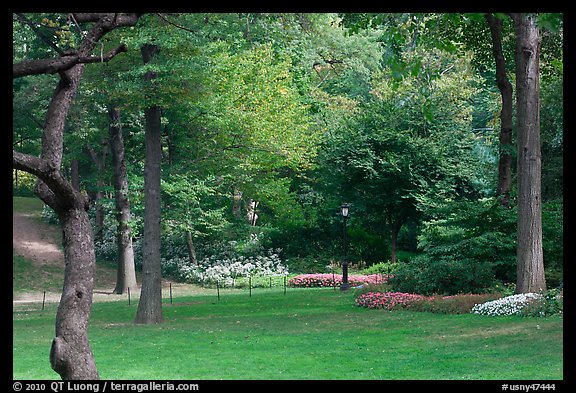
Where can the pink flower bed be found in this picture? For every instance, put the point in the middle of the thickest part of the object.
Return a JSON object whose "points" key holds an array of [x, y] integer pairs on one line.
{"points": [[387, 300], [329, 280]]}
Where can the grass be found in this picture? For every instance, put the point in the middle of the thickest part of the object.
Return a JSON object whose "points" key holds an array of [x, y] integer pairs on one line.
{"points": [[30, 205], [305, 334]]}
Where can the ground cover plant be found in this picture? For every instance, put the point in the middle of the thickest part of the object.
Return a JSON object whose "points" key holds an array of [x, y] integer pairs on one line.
{"points": [[303, 334], [529, 304]]}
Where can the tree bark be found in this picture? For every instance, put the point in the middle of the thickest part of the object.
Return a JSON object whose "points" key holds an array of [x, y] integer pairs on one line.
{"points": [[70, 354], [395, 229], [251, 214], [191, 248], [150, 304], [530, 265], [505, 138], [98, 194], [126, 273]]}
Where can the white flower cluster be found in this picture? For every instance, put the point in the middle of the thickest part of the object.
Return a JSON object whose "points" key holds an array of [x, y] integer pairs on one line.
{"points": [[509, 305], [225, 271]]}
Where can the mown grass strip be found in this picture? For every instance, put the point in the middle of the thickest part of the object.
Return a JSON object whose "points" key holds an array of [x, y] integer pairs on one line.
{"points": [[305, 334]]}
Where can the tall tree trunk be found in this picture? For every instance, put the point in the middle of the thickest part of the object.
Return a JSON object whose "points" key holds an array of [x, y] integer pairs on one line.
{"points": [[150, 304], [126, 273], [75, 174], [236, 203], [505, 87], [98, 194], [395, 229], [251, 214], [70, 354], [530, 265]]}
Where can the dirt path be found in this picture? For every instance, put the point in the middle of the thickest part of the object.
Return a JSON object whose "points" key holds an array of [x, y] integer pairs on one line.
{"points": [[36, 240], [41, 243]]}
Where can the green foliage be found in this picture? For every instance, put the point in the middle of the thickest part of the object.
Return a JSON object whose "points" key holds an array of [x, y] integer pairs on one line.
{"points": [[382, 268], [553, 241], [444, 275], [551, 303], [302, 112], [466, 246], [189, 205], [455, 304]]}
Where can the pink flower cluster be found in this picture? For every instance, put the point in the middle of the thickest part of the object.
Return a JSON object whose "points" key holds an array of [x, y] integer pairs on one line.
{"points": [[329, 280], [387, 300]]}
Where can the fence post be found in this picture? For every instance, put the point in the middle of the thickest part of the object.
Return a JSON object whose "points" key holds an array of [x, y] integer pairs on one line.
{"points": [[218, 290], [43, 300], [250, 285]]}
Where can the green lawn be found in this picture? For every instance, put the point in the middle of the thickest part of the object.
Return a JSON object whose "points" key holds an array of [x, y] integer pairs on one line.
{"points": [[304, 334]]}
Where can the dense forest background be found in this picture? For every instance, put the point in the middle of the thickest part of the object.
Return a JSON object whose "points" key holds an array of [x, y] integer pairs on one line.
{"points": [[269, 122]]}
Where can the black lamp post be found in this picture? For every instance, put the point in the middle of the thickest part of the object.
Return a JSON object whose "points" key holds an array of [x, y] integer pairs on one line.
{"points": [[345, 208]]}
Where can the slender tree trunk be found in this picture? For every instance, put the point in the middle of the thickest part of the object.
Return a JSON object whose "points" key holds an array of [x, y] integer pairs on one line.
{"points": [[191, 248], [530, 265], [394, 242], [251, 214], [98, 194], [236, 203], [75, 174], [126, 273], [150, 304], [505, 87]]}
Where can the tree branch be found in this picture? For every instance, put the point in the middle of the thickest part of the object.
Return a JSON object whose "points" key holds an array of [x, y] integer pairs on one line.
{"points": [[57, 65], [61, 191]]}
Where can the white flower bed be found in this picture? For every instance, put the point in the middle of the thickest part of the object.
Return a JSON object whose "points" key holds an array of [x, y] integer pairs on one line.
{"points": [[224, 271], [510, 305]]}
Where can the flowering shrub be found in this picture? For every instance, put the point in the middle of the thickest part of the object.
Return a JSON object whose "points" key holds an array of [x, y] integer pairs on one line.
{"points": [[509, 305], [329, 280], [224, 271], [388, 300], [550, 303], [525, 304]]}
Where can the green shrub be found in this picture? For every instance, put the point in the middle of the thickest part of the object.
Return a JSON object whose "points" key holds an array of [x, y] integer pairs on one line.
{"points": [[381, 268], [444, 275], [454, 304], [307, 264], [551, 303]]}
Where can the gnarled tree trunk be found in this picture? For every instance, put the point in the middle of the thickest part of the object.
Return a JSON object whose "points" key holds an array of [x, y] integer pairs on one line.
{"points": [[70, 354]]}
